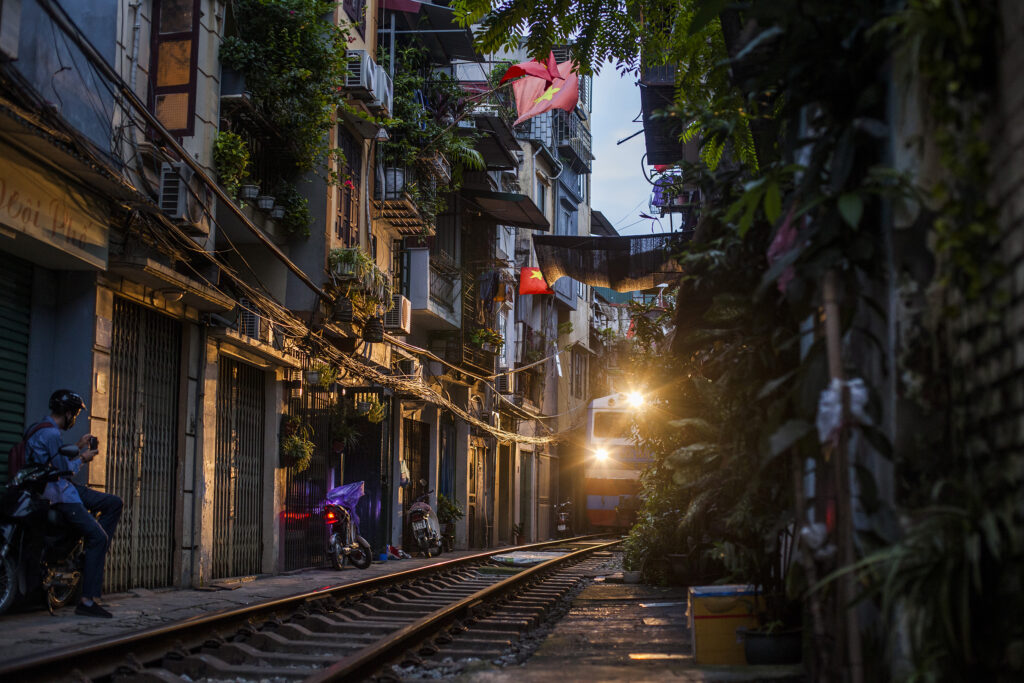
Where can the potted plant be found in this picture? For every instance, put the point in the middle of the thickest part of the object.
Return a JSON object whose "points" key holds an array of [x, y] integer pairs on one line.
{"points": [[265, 202], [277, 212], [231, 159], [350, 263], [296, 443], [249, 191], [344, 431], [486, 338], [343, 310], [373, 330], [630, 569], [449, 511], [377, 412], [321, 375]]}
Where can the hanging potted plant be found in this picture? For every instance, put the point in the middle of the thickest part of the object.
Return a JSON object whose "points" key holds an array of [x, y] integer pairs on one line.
{"points": [[249, 191], [265, 202], [296, 443], [373, 330], [344, 432], [343, 310], [321, 375]]}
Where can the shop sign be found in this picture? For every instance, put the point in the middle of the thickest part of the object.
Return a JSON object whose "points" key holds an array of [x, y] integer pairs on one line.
{"points": [[52, 210]]}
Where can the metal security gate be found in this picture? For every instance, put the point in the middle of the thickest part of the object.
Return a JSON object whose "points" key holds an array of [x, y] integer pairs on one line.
{"points": [[368, 462], [416, 453], [304, 534], [238, 470], [15, 312], [142, 445]]}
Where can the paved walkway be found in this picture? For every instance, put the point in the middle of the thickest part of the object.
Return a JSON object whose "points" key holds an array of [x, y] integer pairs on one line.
{"points": [[32, 629], [617, 632]]}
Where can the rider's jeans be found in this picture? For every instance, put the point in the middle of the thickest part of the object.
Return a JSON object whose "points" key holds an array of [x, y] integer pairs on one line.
{"points": [[97, 533]]}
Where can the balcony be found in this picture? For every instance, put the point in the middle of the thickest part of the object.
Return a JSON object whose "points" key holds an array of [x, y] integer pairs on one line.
{"points": [[433, 285], [572, 139], [393, 202]]}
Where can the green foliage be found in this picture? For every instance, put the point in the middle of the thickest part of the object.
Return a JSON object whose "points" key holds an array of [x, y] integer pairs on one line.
{"points": [[326, 374], [296, 443], [231, 159], [486, 335], [343, 428], [294, 62], [418, 133], [361, 281], [297, 217], [449, 510], [378, 411]]}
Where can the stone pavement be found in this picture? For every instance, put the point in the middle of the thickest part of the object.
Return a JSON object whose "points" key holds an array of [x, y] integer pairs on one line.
{"points": [[617, 632], [31, 629]]}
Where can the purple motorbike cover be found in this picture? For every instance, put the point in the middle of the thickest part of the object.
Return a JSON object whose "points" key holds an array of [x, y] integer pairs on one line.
{"points": [[347, 495]]}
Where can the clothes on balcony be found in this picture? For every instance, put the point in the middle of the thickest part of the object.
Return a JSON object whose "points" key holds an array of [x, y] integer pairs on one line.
{"points": [[621, 263]]}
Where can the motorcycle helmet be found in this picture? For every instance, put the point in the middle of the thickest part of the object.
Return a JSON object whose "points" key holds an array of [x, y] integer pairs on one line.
{"points": [[67, 403]]}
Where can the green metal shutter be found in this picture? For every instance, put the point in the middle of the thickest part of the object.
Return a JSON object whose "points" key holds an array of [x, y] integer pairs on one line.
{"points": [[15, 312]]}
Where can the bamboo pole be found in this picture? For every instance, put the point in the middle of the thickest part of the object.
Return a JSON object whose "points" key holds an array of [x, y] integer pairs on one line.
{"points": [[841, 469]]}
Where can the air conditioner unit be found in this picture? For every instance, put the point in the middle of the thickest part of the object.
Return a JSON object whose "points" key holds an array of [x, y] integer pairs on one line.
{"points": [[383, 91], [361, 73], [178, 200], [503, 382], [399, 318]]}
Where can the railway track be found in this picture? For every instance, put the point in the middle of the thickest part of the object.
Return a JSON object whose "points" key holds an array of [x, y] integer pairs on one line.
{"points": [[463, 607]]}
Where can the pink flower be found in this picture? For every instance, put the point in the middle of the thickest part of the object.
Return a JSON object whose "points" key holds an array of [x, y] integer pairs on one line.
{"points": [[350, 185]]}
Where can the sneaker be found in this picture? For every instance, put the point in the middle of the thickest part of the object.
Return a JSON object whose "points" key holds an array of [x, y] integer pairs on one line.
{"points": [[93, 610]]}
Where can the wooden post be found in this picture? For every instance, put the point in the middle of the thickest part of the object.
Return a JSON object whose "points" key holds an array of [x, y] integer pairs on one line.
{"points": [[841, 468]]}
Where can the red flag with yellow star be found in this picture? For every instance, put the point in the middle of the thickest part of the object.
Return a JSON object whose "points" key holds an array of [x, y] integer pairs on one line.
{"points": [[531, 281], [535, 95]]}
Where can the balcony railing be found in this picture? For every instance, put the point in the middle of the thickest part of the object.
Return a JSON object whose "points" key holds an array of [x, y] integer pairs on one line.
{"points": [[442, 286], [572, 139]]}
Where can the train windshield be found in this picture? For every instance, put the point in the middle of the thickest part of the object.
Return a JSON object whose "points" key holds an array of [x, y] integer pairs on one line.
{"points": [[612, 425]]}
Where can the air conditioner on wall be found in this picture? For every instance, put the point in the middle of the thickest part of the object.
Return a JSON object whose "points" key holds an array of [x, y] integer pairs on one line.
{"points": [[178, 199], [399, 318], [383, 91], [361, 77], [503, 382]]}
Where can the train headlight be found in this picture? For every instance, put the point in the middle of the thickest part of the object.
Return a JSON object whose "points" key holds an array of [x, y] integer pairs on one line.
{"points": [[635, 399], [601, 454]]}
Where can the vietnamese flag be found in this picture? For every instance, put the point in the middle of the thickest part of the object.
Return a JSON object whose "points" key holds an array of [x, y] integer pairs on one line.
{"points": [[531, 281], [535, 95]]}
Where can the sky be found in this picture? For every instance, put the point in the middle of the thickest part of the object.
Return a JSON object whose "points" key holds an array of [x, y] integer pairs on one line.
{"points": [[618, 188]]}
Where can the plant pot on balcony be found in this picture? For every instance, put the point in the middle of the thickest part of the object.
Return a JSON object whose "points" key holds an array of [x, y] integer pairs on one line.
{"points": [[232, 83], [343, 310], [373, 331], [249, 191], [265, 202], [277, 212]]}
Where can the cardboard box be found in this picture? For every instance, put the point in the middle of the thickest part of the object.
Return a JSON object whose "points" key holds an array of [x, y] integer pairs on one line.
{"points": [[714, 614]]}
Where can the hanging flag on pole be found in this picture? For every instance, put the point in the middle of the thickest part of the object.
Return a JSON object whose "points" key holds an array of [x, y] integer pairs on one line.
{"points": [[544, 87], [531, 281]]}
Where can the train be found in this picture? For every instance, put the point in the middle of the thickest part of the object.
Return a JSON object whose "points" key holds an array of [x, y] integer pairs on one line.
{"points": [[612, 462]]}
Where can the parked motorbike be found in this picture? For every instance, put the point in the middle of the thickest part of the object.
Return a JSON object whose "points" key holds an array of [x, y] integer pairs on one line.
{"points": [[344, 544], [425, 527], [39, 550], [563, 517]]}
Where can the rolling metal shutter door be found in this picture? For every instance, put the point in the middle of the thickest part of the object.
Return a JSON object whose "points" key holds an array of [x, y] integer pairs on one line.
{"points": [[238, 471], [142, 449], [15, 312]]}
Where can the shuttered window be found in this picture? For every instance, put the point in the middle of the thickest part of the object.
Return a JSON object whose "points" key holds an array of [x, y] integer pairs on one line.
{"points": [[175, 29], [15, 311]]}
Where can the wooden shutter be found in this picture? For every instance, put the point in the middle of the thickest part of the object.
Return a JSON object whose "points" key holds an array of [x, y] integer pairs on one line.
{"points": [[173, 64]]}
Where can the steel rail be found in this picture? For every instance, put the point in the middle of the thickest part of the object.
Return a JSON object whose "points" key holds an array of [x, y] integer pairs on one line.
{"points": [[364, 662], [98, 658]]}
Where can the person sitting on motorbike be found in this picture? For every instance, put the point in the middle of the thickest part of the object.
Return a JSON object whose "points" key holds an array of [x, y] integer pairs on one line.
{"points": [[77, 504]]}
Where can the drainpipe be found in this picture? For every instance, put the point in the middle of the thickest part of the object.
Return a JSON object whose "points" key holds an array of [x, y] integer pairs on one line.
{"points": [[136, 29]]}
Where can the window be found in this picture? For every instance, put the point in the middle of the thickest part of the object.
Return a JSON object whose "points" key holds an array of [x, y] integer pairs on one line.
{"points": [[582, 290], [503, 331], [173, 67], [542, 198], [346, 227], [608, 425], [579, 374]]}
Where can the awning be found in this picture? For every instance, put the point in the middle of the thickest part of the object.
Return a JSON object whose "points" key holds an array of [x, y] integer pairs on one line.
{"points": [[435, 26], [508, 208], [624, 264]]}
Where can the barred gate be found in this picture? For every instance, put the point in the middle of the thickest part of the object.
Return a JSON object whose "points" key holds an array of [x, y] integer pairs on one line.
{"points": [[304, 532], [238, 470], [142, 448]]}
